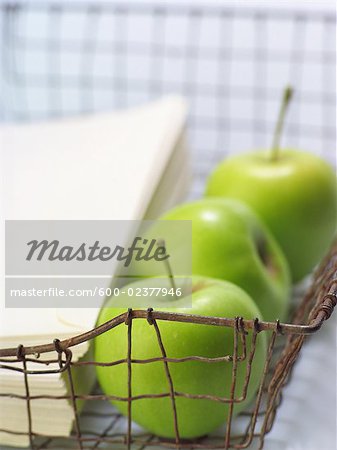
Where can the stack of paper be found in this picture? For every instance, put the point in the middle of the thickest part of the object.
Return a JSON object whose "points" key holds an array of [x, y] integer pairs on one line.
{"points": [[125, 165], [54, 417]]}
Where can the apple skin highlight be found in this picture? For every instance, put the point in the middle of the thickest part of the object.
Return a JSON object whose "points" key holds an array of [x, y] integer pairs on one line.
{"points": [[196, 417], [295, 196]]}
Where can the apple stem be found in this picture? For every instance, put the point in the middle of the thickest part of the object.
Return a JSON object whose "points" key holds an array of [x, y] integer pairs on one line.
{"points": [[275, 148], [161, 244]]}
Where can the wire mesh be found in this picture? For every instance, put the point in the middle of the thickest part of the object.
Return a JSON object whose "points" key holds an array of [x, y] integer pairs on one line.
{"points": [[67, 58], [285, 343]]}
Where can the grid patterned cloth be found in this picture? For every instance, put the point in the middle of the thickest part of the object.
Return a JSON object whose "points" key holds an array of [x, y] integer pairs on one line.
{"points": [[68, 58]]}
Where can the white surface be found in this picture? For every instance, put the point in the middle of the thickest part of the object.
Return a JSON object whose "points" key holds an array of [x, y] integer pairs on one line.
{"points": [[306, 419], [293, 4]]}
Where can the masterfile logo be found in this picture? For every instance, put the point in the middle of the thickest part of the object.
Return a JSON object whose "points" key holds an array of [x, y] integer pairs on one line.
{"points": [[79, 263], [140, 250]]}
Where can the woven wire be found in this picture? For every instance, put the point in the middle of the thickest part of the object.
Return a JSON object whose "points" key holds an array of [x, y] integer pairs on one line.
{"points": [[69, 58]]}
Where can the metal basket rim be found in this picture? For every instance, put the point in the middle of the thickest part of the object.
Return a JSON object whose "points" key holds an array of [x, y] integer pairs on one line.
{"points": [[323, 313]]}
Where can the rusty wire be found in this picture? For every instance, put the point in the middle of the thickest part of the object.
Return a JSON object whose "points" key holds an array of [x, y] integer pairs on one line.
{"points": [[285, 343]]}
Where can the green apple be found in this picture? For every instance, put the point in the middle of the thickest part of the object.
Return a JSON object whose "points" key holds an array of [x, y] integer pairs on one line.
{"points": [[294, 193], [229, 242], [196, 417]]}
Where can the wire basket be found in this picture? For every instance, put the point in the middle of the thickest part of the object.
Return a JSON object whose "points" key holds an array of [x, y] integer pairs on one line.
{"points": [[68, 58], [284, 344], [52, 73]]}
